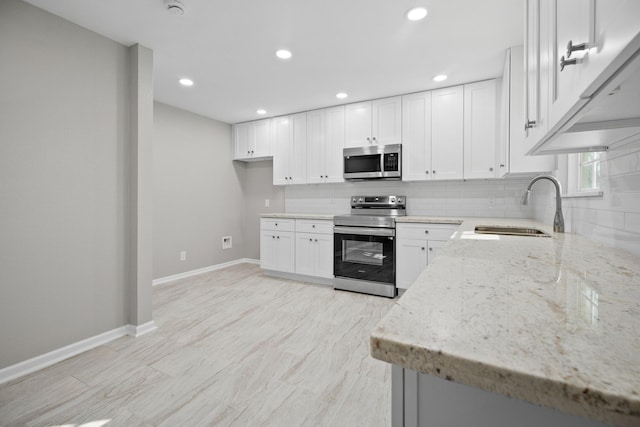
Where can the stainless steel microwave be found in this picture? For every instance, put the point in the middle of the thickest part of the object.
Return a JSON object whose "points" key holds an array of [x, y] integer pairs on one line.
{"points": [[373, 162]]}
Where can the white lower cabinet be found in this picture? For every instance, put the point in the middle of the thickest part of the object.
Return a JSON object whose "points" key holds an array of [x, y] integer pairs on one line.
{"points": [[314, 248], [277, 244], [416, 245], [300, 246]]}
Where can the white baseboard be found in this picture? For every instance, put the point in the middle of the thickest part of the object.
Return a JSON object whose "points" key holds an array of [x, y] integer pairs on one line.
{"points": [[191, 273], [137, 331], [39, 362]]}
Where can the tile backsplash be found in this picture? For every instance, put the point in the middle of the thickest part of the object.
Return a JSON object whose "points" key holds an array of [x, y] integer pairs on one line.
{"points": [[613, 218], [476, 198]]}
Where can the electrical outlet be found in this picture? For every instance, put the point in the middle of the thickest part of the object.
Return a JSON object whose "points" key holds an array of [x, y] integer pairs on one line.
{"points": [[266, 203], [183, 255], [227, 242]]}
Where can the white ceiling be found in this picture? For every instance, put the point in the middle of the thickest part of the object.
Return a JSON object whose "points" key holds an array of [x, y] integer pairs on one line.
{"points": [[366, 48]]}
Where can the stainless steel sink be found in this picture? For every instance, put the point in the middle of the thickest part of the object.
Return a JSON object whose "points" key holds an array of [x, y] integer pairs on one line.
{"points": [[510, 230]]}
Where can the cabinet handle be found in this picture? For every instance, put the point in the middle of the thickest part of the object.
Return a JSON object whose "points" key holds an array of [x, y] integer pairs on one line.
{"points": [[501, 165], [369, 140], [273, 237], [422, 248], [316, 240], [427, 172], [310, 240], [529, 124], [248, 152], [374, 140], [426, 231], [251, 151], [313, 226], [434, 172], [431, 249], [276, 224], [277, 237], [490, 169], [575, 47], [290, 178], [564, 62]]}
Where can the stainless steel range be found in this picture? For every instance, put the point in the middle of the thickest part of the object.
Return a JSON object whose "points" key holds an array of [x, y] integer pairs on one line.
{"points": [[365, 245]]}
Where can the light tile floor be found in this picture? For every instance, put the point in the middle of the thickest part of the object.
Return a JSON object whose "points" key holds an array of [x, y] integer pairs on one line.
{"points": [[233, 348]]}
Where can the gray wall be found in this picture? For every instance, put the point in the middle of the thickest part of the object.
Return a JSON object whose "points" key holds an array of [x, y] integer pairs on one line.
{"points": [[63, 183], [197, 193], [200, 195], [257, 187]]}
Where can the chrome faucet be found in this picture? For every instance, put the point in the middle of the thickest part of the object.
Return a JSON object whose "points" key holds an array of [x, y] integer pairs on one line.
{"points": [[558, 219]]}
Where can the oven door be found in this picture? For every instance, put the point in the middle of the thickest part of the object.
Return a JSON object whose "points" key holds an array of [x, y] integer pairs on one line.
{"points": [[365, 254]]}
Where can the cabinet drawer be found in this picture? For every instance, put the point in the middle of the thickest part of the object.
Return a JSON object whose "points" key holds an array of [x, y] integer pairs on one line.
{"points": [[314, 226], [426, 231], [277, 224]]}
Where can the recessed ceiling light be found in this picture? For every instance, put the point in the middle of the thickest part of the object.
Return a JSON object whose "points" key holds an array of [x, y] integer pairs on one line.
{"points": [[283, 54], [261, 111], [440, 78], [186, 82], [416, 14], [341, 95]]}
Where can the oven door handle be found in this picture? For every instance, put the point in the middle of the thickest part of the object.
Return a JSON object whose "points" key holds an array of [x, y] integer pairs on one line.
{"points": [[365, 231]]}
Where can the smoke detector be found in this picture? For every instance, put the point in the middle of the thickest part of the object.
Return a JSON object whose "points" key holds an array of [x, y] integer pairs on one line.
{"points": [[174, 7]]}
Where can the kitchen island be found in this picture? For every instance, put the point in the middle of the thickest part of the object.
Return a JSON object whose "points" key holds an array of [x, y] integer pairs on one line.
{"points": [[552, 323]]}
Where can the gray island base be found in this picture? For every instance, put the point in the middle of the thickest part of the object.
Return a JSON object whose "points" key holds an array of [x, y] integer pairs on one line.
{"points": [[421, 400]]}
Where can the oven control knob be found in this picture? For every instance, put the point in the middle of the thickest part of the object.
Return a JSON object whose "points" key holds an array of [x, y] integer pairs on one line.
{"points": [[392, 199], [361, 200]]}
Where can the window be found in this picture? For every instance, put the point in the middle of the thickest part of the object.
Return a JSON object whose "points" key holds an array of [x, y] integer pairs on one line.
{"points": [[588, 172], [583, 175]]}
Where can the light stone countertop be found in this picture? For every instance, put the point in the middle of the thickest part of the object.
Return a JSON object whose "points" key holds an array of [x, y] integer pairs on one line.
{"points": [[553, 321], [298, 216]]}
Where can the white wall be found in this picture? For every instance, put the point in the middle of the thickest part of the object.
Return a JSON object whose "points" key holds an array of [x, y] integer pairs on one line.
{"points": [[614, 218], [474, 198], [64, 183]]}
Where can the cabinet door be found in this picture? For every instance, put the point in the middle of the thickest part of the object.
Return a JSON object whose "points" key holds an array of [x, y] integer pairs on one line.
{"points": [[386, 121], [358, 125], [316, 146], [305, 254], [281, 137], [268, 253], [298, 149], [324, 255], [334, 143], [513, 153], [416, 131], [447, 123], [285, 252], [241, 141], [411, 260], [480, 130], [574, 22], [261, 145]]}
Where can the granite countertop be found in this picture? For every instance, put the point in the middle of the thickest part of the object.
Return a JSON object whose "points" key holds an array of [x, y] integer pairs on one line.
{"points": [[553, 321], [298, 216]]}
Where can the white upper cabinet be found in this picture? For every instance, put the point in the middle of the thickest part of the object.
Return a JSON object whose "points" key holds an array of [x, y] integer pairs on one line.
{"points": [[512, 145], [289, 136], [416, 131], [433, 135], [252, 140], [480, 130], [447, 133], [374, 122], [580, 72], [325, 140]]}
